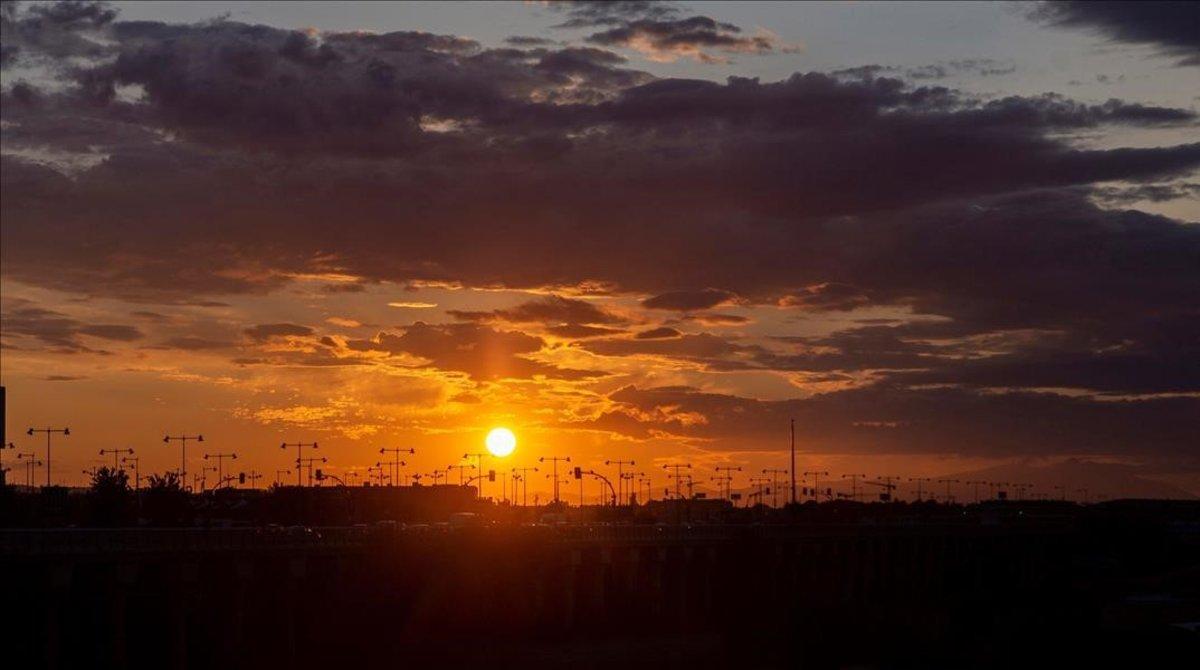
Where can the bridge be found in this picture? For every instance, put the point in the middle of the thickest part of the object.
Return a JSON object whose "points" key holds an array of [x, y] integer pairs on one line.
{"points": [[307, 596]]}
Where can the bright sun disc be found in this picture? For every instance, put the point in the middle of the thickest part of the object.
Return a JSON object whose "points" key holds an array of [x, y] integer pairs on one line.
{"points": [[501, 441]]}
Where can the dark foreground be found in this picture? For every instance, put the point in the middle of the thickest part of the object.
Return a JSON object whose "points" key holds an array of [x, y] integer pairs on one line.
{"points": [[1016, 589]]}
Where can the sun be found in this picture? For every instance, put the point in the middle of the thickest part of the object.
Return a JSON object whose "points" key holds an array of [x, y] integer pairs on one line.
{"points": [[501, 441]]}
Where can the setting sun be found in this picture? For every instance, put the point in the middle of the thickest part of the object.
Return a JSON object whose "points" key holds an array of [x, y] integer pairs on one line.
{"points": [[501, 441]]}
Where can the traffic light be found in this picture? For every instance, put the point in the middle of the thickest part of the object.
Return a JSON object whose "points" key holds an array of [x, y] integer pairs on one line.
{"points": [[578, 472], [241, 478], [319, 474], [491, 475]]}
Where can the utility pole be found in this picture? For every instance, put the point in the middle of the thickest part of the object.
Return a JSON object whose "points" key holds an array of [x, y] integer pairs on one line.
{"points": [[948, 482], [137, 478], [221, 463], [620, 477], [555, 460], [397, 463], [254, 476], [793, 468], [816, 481], [183, 440], [676, 467], [854, 484], [48, 431], [299, 453], [279, 476], [523, 474], [919, 481], [729, 470]]}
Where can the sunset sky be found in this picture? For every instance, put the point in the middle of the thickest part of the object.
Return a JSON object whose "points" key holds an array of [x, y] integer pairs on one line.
{"points": [[947, 239]]}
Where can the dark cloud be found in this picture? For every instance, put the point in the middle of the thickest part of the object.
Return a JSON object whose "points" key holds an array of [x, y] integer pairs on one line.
{"points": [[268, 331], [982, 67], [58, 331], [686, 301], [552, 309], [660, 333], [576, 331], [588, 14], [482, 353], [692, 37], [891, 420], [1172, 27]]}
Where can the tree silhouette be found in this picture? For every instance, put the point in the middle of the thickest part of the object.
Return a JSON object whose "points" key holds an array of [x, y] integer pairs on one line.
{"points": [[165, 501], [110, 499]]}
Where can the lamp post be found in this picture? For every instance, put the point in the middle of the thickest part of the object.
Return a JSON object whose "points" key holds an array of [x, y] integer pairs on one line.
{"points": [[620, 475], [299, 454], [278, 476], [397, 463], [478, 456], [116, 454], [3, 470], [254, 476], [948, 482], [920, 481], [29, 466], [48, 431], [307, 463], [461, 468], [816, 481], [974, 484], [221, 463], [555, 460], [676, 467], [774, 472], [523, 473], [854, 484], [728, 478], [137, 477], [183, 440]]}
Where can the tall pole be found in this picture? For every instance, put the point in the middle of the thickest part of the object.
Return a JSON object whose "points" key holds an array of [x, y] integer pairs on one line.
{"points": [[183, 440], [278, 479], [307, 465], [460, 467], [48, 431], [555, 460], [29, 466], [299, 454], [10, 445], [793, 468], [975, 484]]}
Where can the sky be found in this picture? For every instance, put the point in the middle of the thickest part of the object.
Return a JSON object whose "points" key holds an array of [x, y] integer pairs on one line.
{"points": [[948, 240]]}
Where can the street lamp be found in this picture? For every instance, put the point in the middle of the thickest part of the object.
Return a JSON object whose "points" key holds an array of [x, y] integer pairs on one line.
{"points": [[48, 431], [299, 453], [183, 440]]}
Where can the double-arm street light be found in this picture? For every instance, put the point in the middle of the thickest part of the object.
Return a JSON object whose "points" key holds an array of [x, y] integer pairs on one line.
{"points": [[396, 463], [299, 454], [30, 464], [555, 460], [523, 474], [137, 477], [221, 464], [116, 454], [183, 440], [48, 431], [620, 477], [676, 467]]}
